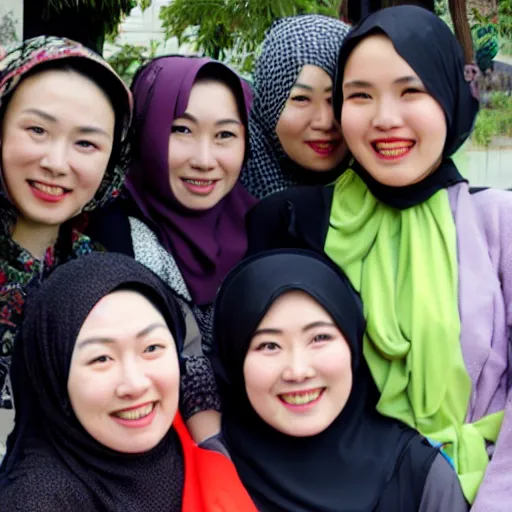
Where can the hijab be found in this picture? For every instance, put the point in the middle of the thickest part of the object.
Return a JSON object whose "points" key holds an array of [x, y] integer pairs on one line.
{"points": [[289, 45], [437, 58], [395, 237], [19, 270], [205, 244], [47, 434], [348, 465]]}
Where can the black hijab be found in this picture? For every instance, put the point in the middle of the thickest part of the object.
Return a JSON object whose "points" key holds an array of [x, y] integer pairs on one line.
{"points": [[426, 43], [48, 444], [346, 467]]}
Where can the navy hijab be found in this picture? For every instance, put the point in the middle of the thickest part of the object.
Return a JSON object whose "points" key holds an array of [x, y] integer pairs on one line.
{"points": [[427, 44], [348, 466]]}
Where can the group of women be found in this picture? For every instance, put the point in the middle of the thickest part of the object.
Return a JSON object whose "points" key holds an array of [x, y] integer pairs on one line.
{"points": [[277, 298]]}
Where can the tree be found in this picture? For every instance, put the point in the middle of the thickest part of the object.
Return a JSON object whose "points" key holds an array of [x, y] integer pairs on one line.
{"points": [[232, 29], [86, 21]]}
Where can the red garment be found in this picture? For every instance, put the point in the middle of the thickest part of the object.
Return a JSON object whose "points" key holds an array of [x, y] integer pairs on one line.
{"points": [[211, 481]]}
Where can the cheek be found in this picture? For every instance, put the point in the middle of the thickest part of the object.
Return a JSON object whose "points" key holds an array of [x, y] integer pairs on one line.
{"points": [[165, 374], [231, 159], [90, 171], [291, 123], [18, 150], [335, 366], [353, 123], [179, 154], [260, 376], [90, 393]]}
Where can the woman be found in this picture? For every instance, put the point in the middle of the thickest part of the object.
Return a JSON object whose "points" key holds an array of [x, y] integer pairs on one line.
{"points": [[409, 234], [294, 137], [184, 213], [64, 115], [119, 445], [299, 418]]}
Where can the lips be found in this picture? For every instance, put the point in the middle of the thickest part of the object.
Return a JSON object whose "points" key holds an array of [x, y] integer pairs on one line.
{"points": [[52, 190], [135, 413], [393, 148], [323, 147], [302, 397]]}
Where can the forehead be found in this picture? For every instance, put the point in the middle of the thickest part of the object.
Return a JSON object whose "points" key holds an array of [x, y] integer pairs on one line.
{"points": [[212, 98], [376, 56], [294, 309], [121, 312], [61, 88], [314, 76]]}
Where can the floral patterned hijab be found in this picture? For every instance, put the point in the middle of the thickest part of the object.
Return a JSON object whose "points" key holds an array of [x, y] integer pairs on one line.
{"points": [[19, 270]]}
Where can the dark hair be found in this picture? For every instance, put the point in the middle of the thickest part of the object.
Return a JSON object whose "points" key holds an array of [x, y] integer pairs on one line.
{"points": [[105, 80]]}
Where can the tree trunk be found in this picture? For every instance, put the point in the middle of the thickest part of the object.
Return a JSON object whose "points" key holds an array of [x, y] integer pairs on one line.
{"points": [[71, 22], [458, 11]]}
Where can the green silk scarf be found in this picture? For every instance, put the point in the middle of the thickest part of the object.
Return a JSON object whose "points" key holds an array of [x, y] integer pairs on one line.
{"points": [[404, 265]]}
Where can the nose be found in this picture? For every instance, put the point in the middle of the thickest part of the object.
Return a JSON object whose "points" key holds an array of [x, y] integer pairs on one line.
{"points": [[387, 115], [204, 157], [55, 159], [323, 118], [133, 381], [298, 367]]}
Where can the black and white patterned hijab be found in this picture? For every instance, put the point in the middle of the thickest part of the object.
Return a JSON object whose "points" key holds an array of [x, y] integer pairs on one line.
{"points": [[289, 45]]}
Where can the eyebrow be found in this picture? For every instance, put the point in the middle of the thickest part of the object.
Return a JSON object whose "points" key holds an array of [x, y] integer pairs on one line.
{"points": [[104, 341], [363, 83], [307, 327], [52, 119], [220, 122], [309, 88]]}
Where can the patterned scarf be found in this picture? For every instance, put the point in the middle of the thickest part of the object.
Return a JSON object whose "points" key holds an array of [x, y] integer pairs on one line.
{"points": [[20, 272], [290, 44]]}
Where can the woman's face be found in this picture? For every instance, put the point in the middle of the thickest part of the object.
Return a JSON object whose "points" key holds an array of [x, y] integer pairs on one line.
{"points": [[206, 147], [297, 370], [57, 135], [124, 377], [394, 128], [306, 129]]}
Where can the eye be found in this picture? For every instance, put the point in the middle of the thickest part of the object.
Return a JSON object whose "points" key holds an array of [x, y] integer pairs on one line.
{"points": [[37, 130], [268, 346], [300, 98], [180, 129], [225, 134], [329, 100], [100, 360], [155, 347], [412, 90], [85, 144], [322, 337], [359, 96]]}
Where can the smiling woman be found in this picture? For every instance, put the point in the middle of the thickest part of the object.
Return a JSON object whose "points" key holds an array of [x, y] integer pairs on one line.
{"points": [[299, 418], [97, 383], [64, 115]]}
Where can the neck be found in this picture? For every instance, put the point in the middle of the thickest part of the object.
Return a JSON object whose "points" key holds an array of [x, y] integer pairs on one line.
{"points": [[34, 237]]}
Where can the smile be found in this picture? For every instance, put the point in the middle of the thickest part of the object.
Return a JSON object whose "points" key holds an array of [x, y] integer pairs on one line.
{"points": [[199, 187], [137, 413], [301, 398], [391, 150], [323, 147]]}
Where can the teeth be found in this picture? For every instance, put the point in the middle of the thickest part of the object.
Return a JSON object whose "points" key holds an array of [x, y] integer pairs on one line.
{"points": [[53, 191], [201, 183], [393, 152], [301, 399], [135, 414], [323, 145], [394, 145]]}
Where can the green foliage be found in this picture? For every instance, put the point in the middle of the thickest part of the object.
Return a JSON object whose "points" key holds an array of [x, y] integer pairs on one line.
{"points": [[232, 29], [110, 12], [128, 58], [495, 120]]}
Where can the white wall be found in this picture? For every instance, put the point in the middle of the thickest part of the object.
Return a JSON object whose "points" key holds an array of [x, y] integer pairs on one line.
{"points": [[16, 8]]}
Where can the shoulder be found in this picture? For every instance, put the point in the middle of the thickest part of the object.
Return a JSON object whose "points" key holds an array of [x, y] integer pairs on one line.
{"points": [[34, 488], [442, 489]]}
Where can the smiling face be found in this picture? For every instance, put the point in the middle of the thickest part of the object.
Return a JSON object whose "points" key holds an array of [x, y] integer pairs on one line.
{"points": [[306, 129], [124, 377], [206, 147], [57, 136], [297, 370], [394, 128]]}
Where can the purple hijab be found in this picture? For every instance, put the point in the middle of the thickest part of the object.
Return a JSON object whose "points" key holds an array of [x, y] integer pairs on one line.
{"points": [[205, 244]]}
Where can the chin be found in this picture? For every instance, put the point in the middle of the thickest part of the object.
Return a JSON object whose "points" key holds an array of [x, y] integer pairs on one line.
{"points": [[304, 430]]}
